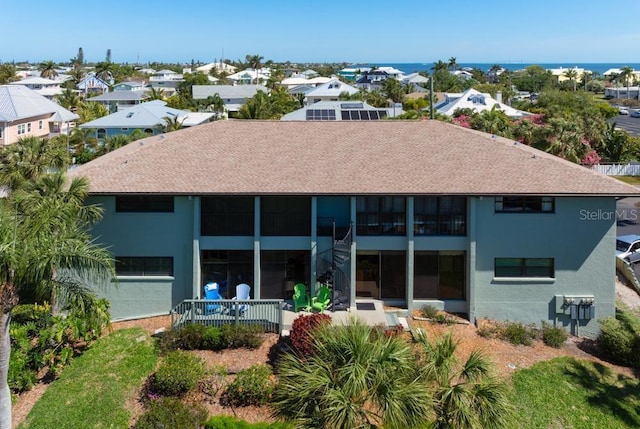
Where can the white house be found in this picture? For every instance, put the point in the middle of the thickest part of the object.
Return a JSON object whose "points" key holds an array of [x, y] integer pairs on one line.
{"points": [[477, 101]]}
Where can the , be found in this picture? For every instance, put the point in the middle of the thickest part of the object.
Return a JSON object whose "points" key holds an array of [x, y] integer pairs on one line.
{"points": [[626, 245]]}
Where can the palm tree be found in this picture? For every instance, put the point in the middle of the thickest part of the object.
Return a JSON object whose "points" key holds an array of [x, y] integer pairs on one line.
{"points": [[90, 110], [585, 77], [439, 65], [453, 64], [7, 74], [255, 62], [61, 261], [68, 99], [393, 90], [572, 75], [358, 378], [105, 70], [257, 107], [467, 395], [172, 123], [156, 94], [625, 75], [48, 69]]}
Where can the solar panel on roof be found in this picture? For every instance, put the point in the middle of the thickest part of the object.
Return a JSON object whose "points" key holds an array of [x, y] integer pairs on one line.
{"points": [[352, 106]]}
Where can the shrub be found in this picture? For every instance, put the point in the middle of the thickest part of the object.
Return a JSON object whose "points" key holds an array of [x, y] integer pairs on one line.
{"points": [[252, 386], [553, 336], [619, 339], [517, 333], [190, 336], [212, 339], [172, 413], [228, 422], [178, 373], [302, 328], [429, 311], [241, 335]]}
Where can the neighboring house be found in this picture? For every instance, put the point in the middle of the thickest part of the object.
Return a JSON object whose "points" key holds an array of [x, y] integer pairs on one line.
{"points": [[48, 88], [441, 215], [621, 92], [353, 73], [561, 73], [250, 76], [298, 80], [464, 74], [218, 66], [343, 111], [233, 96], [329, 91], [120, 99], [130, 86], [167, 80], [24, 113], [477, 101], [91, 85], [148, 117], [372, 80]]}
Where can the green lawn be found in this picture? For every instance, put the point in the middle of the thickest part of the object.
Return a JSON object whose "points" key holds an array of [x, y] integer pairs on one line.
{"points": [[632, 180], [573, 393], [92, 392]]}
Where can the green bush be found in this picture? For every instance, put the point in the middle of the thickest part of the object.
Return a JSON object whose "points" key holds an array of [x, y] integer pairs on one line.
{"points": [[619, 339], [553, 336], [190, 336], [172, 413], [252, 386], [242, 335], [212, 339], [178, 373], [517, 333], [429, 311], [228, 422]]}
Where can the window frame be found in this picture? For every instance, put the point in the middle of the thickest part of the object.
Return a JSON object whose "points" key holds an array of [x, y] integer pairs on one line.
{"points": [[145, 204], [145, 266], [441, 218], [525, 204], [526, 271], [379, 220]]}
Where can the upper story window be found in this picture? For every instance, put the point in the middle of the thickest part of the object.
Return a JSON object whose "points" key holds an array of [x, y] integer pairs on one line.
{"points": [[524, 267], [381, 215], [101, 133], [524, 204], [29, 127], [39, 125], [22, 128], [440, 215], [286, 216], [227, 216], [144, 266], [1, 130], [144, 203]]}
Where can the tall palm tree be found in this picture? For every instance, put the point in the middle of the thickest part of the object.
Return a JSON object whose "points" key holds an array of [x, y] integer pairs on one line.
{"points": [[572, 75], [255, 62], [452, 64], [172, 123], [90, 110], [8, 74], [156, 94], [68, 99], [467, 395], [48, 69], [625, 75], [439, 65], [585, 77], [105, 70], [61, 261], [359, 378]]}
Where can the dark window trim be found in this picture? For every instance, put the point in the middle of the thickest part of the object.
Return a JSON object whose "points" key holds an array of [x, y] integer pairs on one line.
{"points": [[379, 221], [440, 219], [525, 270], [144, 203], [144, 266], [525, 204]]}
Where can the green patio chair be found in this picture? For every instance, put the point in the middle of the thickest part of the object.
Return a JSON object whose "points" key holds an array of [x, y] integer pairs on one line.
{"points": [[321, 301], [301, 299]]}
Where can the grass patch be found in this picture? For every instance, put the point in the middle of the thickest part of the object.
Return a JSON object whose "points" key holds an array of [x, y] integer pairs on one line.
{"points": [[574, 393], [631, 180], [92, 392]]}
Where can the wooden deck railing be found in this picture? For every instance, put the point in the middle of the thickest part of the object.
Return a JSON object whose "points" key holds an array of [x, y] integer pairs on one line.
{"points": [[267, 313]]}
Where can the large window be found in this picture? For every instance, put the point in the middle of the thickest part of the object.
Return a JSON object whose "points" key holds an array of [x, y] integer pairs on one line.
{"points": [[286, 216], [381, 215], [280, 270], [439, 275], [522, 204], [144, 266], [228, 268], [144, 203], [440, 215], [524, 267], [22, 129], [227, 216]]}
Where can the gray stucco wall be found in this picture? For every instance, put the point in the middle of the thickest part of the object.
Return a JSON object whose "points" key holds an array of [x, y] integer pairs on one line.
{"points": [[580, 236], [148, 234]]}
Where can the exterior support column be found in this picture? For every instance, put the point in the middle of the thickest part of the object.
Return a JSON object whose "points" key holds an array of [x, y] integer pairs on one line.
{"points": [[256, 248], [352, 261], [410, 253], [195, 257], [314, 244], [471, 257]]}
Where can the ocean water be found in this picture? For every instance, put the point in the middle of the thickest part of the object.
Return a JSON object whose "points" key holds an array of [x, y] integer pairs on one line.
{"points": [[599, 68]]}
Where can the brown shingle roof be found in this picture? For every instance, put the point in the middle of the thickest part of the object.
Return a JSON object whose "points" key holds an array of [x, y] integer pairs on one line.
{"points": [[348, 158]]}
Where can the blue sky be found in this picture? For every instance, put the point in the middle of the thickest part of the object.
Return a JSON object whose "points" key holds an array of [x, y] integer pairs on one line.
{"points": [[494, 31]]}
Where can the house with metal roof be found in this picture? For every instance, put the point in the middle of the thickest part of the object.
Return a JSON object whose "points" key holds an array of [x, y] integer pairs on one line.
{"points": [[329, 91], [233, 96], [92, 85], [150, 117], [476, 101], [408, 213], [48, 88], [24, 113], [343, 111], [120, 99]]}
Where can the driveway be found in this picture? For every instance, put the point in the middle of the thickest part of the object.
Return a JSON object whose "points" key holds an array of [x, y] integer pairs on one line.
{"points": [[627, 123]]}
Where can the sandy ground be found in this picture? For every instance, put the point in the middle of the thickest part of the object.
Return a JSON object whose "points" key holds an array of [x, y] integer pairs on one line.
{"points": [[506, 357]]}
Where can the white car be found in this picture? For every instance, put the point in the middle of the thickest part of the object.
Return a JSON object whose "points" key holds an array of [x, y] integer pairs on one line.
{"points": [[623, 110], [626, 246]]}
